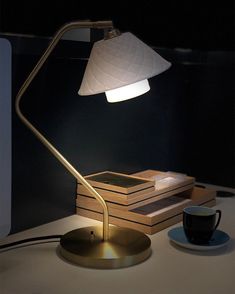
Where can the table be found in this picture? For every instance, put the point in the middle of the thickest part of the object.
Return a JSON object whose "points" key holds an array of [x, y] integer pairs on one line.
{"points": [[38, 269]]}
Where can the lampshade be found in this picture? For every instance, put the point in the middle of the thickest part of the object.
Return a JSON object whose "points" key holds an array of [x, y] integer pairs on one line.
{"points": [[118, 62]]}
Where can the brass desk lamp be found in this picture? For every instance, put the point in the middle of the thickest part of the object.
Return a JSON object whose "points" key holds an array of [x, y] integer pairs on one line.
{"points": [[119, 65]]}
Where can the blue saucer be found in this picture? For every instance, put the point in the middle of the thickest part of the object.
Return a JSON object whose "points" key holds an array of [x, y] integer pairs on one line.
{"points": [[218, 240]]}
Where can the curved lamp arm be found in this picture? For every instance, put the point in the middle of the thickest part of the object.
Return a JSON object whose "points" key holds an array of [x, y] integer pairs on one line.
{"points": [[54, 151]]}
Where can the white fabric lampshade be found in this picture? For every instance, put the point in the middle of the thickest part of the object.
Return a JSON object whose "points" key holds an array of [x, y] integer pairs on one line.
{"points": [[118, 62]]}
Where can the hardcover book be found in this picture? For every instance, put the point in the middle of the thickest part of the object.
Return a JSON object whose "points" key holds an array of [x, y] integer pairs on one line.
{"points": [[137, 226], [166, 180], [117, 197], [118, 182], [163, 184], [152, 217], [123, 203]]}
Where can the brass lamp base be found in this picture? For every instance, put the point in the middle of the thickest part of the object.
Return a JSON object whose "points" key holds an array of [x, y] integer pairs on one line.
{"points": [[86, 247]]}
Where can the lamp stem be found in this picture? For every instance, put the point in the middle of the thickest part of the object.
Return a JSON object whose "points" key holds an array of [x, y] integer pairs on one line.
{"points": [[54, 151]]}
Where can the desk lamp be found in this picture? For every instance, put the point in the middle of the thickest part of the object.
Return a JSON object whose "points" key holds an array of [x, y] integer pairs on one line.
{"points": [[120, 66]]}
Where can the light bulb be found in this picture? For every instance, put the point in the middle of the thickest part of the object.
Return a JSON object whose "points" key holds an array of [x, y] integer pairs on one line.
{"points": [[128, 92]]}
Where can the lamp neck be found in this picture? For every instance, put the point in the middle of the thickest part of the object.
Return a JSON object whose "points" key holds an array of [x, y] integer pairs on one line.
{"points": [[109, 34], [106, 25]]}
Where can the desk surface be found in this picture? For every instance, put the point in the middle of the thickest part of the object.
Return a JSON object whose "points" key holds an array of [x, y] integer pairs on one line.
{"points": [[38, 269]]}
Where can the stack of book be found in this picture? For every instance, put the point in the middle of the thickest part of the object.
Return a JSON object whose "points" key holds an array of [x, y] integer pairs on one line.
{"points": [[148, 201]]}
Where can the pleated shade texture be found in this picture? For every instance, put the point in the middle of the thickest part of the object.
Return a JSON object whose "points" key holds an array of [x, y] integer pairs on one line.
{"points": [[118, 62]]}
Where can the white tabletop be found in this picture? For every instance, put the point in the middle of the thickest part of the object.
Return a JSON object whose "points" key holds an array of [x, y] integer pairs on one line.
{"points": [[38, 269]]}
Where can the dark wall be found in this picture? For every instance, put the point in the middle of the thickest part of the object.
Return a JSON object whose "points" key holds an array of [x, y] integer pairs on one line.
{"points": [[184, 124], [205, 25]]}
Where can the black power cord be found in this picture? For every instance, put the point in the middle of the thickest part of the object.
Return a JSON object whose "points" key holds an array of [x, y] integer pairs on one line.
{"points": [[29, 240], [224, 194]]}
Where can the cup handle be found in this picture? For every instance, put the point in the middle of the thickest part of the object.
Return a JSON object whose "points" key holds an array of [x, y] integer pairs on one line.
{"points": [[219, 217]]}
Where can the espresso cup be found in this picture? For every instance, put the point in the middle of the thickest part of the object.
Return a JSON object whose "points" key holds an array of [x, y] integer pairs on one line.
{"points": [[199, 223]]}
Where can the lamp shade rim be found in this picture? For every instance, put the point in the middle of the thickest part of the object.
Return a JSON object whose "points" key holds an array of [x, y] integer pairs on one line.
{"points": [[86, 92]]}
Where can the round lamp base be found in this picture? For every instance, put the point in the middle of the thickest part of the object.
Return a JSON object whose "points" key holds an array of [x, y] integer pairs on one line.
{"points": [[124, 248]]}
